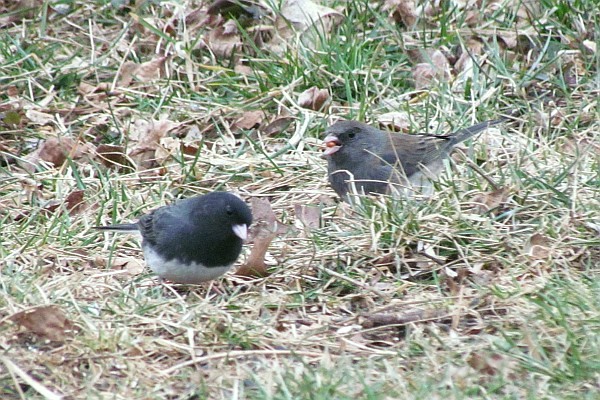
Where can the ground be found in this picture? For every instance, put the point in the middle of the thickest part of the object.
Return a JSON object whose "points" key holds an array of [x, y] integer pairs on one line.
{"points": [[488, 289]]}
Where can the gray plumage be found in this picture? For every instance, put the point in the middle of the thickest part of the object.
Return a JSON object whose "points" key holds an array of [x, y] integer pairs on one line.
{"points": [[194, 240], [376, 161]]}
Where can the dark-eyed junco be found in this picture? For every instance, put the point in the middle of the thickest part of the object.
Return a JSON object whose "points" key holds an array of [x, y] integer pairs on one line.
{"points": [[375, 161], [193, 240]]}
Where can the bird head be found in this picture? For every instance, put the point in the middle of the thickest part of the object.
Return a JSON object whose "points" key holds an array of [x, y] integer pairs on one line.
{"points": [[347, 134]]}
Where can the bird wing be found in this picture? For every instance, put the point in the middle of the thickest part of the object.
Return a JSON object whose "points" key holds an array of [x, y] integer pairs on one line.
{"points": [[146, 226], [411, 151]]}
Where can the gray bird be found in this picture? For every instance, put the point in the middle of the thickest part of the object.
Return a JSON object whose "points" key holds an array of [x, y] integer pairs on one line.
{"points": [[194, 240], [375, 161]]}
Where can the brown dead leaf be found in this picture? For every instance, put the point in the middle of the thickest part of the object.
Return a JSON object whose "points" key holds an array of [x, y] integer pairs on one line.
{"points": [[426, 73], [423, 74], [236, 9], [14, 12], [255, 266], [148, 135], [590, 46], [397, 121], [577, 146], [223, 44], [38, 117], [485, 202], [402, 11], [263, 215], [303, 14], [192, 140], [308, 216], [311, 20], [12, 92], [473, 48], [248, 120], [144, 72], [112, 156], [243, 70], [572, 66], [490, 364], [441, 64], [314, 99], [278, 125], [262, 233], [538, 246], [85, 88], [404, 317], [168, 147], [47, 321], [75, 202], [130, 265], [508, 40], [55, 151]]}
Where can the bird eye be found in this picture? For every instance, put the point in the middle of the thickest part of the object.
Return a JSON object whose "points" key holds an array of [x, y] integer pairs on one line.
{"points": [[351, 135], [228, 210]]}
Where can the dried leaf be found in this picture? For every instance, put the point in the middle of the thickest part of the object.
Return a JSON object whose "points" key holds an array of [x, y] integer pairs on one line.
{"points": [[430, 65], [423, 74], [403, 11], [313, 98], [306, 13], [56, 150], [538, 246], [75, 202], [490, 364], [19, 10], [243, 70], [38, 117], [404, 317], [144, 72], [307, 216], [300, 16], [236, 9], [12, 92], [223, 45], [130, 265], [248, 120], [508, 38], [278, 125], [590, 46], [397, 121], [148, 135], [168, 147], [262, 233], [474, 48], [111, 155], [491, 200], [47, 321], [440, 61]]}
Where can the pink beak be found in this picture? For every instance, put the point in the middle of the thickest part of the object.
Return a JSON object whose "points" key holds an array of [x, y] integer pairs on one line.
{"points": [[332, 144]]}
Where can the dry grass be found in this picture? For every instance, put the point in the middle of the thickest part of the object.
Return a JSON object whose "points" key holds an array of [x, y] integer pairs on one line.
{"points": [[389, 299]]}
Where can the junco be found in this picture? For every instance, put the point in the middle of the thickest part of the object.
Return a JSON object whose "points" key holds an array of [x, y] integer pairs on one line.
{"points": [[375, 161], [193, 240]]}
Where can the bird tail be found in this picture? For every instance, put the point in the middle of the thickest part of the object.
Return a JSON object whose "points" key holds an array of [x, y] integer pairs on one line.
{"points": [[464, 134], [119, 228]]}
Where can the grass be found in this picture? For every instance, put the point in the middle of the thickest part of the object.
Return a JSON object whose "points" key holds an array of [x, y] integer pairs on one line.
{"points": [[498, 302]]}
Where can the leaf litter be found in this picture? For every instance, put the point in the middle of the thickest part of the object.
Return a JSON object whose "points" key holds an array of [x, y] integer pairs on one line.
{"points": [[346, 267]]}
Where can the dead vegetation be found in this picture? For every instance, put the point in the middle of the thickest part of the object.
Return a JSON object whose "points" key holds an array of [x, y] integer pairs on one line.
{"points": [[488, 290]]}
